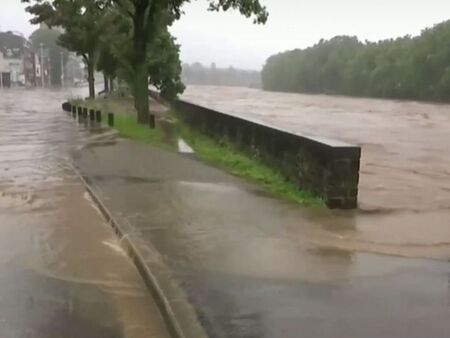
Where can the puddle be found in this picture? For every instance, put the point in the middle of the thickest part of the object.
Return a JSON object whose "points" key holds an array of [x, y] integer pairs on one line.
{"points": [[183, 147]]}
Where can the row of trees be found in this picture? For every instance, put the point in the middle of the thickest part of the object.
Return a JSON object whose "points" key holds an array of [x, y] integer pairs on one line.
{"points": [[49, 39], [129, 39], [410, 68], [198, 74]]}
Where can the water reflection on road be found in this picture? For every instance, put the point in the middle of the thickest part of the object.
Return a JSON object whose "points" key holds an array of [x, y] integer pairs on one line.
{"points": [[254, 266], [62, 272]]}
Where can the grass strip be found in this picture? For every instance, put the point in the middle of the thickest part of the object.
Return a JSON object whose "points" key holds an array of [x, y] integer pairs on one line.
{"points": [[124, 119], [230, 159], [218, 153]]}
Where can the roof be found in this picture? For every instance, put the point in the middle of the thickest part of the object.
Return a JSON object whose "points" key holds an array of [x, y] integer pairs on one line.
{"points": [[12, 44]]}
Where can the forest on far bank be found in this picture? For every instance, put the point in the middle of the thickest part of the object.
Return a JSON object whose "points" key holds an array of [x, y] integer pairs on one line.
{"points": [[404, 68], [197, 74]]}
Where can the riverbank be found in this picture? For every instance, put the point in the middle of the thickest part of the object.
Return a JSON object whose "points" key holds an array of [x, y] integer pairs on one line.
{"points": [[221, 153]]}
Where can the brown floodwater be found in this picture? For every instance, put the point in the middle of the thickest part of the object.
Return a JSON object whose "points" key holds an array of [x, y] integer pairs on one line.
{"points": [[405, 144], [404, 191], [62, 270]]}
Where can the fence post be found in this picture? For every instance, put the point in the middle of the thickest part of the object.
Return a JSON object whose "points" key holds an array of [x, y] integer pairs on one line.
{"points": [[151, 121], [111, 119], [98, 116]]}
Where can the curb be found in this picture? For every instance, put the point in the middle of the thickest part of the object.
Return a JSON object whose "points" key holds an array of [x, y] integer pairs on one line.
{"points": [[150, 280]]}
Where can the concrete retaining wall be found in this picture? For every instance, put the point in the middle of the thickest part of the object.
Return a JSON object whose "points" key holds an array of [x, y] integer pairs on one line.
{"points": [[329, 169]]}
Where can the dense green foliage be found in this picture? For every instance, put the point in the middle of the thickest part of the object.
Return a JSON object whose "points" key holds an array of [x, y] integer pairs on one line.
{"points": [[199, 75], [408, 67]]}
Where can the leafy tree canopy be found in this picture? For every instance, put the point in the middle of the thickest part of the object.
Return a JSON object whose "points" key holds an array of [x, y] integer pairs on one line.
{"points": [[83, 22], [149, 20]]}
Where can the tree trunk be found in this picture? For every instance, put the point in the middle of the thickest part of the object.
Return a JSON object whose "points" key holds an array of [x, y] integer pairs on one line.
{"points": [[140, 40], [141, 92], [111, 84], [106, 83], [91, 79]]}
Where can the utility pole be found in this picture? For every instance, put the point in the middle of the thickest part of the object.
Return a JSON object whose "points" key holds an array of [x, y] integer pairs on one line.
{"points": [[49, 78], [42, 64], [62, 69]]}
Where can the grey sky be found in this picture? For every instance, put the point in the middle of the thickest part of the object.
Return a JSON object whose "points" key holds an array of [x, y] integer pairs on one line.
{"points": [[228, 39]]}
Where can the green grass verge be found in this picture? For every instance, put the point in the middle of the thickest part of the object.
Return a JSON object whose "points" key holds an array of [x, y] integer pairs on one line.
{"points": [[124, 119], [128, 127], [227, 157]]}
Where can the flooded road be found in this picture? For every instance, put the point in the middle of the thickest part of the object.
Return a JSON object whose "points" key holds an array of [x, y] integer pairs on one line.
{"points": [[62, 271], [252, 266], [257, 267]]}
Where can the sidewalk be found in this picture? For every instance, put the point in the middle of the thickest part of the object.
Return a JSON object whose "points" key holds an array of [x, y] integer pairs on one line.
{"points": [[62, 270], [254, 266]]}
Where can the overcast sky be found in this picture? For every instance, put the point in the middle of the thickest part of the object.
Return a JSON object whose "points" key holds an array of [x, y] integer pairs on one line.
{"points": [[228, 39]]}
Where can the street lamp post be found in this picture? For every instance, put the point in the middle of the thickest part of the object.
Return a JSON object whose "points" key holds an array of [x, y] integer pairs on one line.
{"points": [[42, 64], [49, 72], [62, 69]]}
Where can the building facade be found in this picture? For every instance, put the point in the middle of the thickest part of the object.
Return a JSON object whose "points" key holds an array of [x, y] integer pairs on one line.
{"points": [[17, 61]]}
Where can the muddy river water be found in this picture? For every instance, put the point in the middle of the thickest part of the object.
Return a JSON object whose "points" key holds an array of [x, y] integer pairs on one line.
{"points": [[405, 145], [404, 191]]}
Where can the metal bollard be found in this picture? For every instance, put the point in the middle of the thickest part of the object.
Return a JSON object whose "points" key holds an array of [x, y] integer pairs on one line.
{"points": [[98, 116], [92, 114], [67, 106], [111, 119], [74, 111], [151, 121]]}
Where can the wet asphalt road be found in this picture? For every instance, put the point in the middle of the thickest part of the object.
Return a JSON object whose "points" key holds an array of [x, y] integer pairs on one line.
{"points": [[62, 271], [257, 267]]}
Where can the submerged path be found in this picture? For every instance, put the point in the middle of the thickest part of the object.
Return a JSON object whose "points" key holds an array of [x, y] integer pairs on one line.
{"points": [[256, 267], [62, 272]]}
